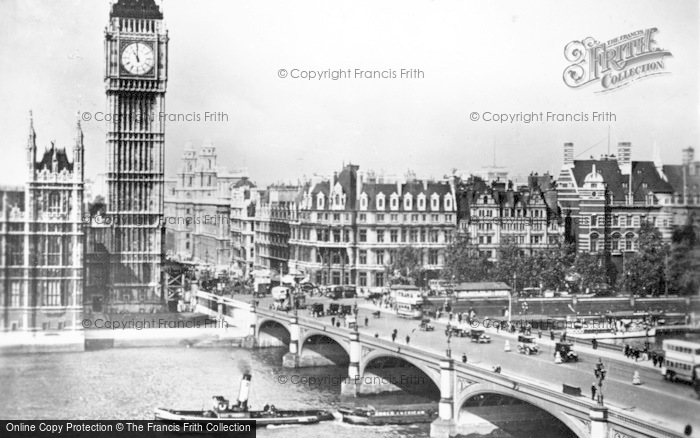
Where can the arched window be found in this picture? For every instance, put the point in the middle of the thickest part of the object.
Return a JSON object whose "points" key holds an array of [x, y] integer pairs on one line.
{"points": [[616, 241], [594, 242], [629, 241], [54, 202], [448, 202]]}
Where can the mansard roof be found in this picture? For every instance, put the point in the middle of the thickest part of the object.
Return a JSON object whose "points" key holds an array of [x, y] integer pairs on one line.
{"points": [[677, 180], [643, 172]]}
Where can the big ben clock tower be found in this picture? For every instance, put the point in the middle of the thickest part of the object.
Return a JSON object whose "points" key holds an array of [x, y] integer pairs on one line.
{"points": [[136, 59]]}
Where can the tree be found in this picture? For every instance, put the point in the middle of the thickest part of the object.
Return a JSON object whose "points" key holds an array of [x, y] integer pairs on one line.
{"points": [[645, 270], [405, 267], [684, 260], [463, 263], [590, 270]]}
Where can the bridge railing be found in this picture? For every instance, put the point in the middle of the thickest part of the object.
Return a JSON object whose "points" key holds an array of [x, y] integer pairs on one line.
{"points": [[616, 415]]}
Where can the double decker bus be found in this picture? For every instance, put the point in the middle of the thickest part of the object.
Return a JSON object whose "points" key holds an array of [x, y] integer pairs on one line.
{"points": [[681, 360], [409, 301]]}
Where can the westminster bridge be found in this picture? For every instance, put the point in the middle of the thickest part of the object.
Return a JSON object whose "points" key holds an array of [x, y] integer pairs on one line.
{"points": [[473, 398]]}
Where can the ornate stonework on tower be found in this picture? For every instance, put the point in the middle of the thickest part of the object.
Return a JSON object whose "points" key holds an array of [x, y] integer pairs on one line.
{"points": [[136, 58], [41, 241]]}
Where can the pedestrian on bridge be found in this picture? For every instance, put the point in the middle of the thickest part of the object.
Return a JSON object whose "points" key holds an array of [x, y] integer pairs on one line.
{"points": [[408, 339], [333, 321], [464, 357], [593, 391], [366, 321], [551, 334], [594, 343], [393, 336]]}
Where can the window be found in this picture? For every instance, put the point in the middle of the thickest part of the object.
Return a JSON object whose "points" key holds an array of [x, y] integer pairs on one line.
{"points": [[380, 257], [346, 235], [394, 217], [594, 242], [319, 201], [363, 217], [435, 217], [616, 242], [435, 202], [380, 218], [421, 202], [394, 236], [363, 201], [408, 202], [362, 279], [336, 217], [448, 218], [380, 236], [363, 257], [433, 256], [448, 202], [434, 236], [380, 202], [629, 237], [414, 236], [363, 235], [336, 236], [379, 279]]}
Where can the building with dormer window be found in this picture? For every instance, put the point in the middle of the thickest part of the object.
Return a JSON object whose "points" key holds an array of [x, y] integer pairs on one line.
{"points": [[353, 243]]}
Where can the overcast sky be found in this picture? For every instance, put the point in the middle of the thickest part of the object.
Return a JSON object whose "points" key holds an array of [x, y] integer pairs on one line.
{"points": [[502, 57]]}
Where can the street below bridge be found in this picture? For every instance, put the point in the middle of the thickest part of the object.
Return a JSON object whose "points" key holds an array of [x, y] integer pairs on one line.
{"points": [[656, 401]]}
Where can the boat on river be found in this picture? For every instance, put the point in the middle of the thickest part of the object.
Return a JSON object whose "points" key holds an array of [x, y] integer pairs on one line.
{"points": [[614, 325], [221, 412], [370, 416]]}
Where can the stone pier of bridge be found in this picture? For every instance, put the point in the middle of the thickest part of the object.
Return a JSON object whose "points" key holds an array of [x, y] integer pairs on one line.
{"points": [[455, 415]]}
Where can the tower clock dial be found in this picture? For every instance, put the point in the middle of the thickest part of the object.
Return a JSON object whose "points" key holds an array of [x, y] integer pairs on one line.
{"points": [[137, 58]]}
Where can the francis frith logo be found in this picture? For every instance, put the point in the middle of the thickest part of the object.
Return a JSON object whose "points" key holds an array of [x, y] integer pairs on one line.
{"points": [[615, 63]]}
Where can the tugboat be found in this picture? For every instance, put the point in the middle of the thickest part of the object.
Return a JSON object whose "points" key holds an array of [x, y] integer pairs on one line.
{"points": [[222, 412], [369, 416]]}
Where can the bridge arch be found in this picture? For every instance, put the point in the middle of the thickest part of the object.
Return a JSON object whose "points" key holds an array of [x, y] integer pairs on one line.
{"points": [[473, 391], [272, 332], [426, 377], [306, 336]]}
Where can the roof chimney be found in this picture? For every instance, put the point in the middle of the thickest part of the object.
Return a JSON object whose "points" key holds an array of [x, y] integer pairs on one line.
{"points": [[688, 156], [568, 154], [624, 157]]}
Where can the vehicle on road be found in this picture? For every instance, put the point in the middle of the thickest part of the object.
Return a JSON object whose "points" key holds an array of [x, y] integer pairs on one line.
{"points": [[426, 326], [458, 332], [566, 351], [349, 291], [681, 360], [479, 337], [334, 292], [527, 345], [409, 301], [317, 309]]}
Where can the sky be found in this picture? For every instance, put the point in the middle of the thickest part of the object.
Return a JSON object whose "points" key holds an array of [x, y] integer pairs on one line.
{"points": [[225, 56]]}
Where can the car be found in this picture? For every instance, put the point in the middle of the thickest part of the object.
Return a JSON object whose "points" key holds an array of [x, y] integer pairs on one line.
{"points": [[479, 337], [566, 351], [349, 291], [426, 326], [527, 345], [459, 332]]}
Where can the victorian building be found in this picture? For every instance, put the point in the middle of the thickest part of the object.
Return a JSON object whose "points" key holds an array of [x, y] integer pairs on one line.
{"points": [[274, 211], [495, 212], [243, 203], [349, 226], [604, 201], [198, 208], [41, 241]]}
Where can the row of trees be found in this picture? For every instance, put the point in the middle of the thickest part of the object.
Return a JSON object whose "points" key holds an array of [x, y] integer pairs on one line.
{"points": [[656, 268]]}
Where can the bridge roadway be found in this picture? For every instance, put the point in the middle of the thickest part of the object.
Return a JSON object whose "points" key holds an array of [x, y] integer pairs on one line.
{"points": [[671, 406]]}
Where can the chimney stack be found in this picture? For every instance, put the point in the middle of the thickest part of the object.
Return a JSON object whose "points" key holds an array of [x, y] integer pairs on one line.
{"points": [[688, 156], [568, 154], [624, 157]]}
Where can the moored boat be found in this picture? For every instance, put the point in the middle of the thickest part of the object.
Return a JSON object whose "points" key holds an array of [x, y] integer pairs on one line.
{"points": [[221, 412], [369, 416]]}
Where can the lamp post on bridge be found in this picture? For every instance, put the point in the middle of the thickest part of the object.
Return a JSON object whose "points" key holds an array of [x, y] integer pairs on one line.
{"points": [[448, 335]]}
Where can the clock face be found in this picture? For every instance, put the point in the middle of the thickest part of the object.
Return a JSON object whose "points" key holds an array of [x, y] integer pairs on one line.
{"points": [[137, 58]]}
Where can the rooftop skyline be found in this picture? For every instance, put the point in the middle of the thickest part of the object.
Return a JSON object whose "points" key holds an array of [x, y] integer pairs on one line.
{"points": [[505, 58]]}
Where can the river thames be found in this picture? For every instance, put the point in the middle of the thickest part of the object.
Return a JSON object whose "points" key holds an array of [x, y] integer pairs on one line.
{"points": [[128, 383]]}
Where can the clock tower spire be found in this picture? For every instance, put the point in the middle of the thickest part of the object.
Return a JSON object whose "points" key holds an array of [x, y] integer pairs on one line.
{"points": [[136, 61]]}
